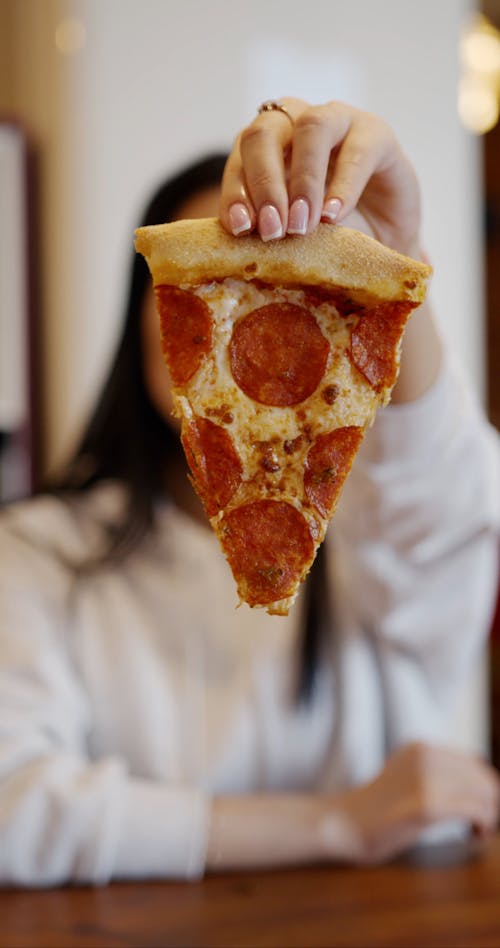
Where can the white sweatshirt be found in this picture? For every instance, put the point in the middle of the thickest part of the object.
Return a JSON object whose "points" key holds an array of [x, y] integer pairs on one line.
{"points": [[130, 697]]}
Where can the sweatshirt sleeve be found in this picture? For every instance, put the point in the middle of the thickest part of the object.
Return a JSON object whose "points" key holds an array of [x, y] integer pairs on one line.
{"points": [[64, 816], [416, 538]]}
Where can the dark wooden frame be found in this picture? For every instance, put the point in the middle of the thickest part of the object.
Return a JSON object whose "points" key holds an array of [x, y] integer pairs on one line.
{"points": [[24, 442]]}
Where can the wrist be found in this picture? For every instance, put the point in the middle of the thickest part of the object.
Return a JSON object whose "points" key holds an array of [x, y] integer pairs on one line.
{"points": [[266, 830], [339, 838]]}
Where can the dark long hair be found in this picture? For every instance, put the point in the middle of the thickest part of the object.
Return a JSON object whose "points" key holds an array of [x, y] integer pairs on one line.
{"points": [[129, 441], [126, 438]]}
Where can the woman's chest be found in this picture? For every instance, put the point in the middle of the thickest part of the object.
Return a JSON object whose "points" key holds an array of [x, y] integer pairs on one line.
{"points": [[188, 688]]}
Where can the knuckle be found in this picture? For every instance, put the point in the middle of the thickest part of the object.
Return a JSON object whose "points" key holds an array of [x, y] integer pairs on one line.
{"points": [[261, 180], [353, 161], [421, 772], [305, 181], [380, 131], [254, 134], [341, 109], [376, 123], [312, 118], [426, 809], [428, 790]]}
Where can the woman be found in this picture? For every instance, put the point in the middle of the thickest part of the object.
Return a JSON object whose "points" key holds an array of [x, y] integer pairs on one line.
{"points": [[149, 729]]}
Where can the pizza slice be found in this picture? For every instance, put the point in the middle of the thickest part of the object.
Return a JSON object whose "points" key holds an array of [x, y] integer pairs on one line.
{"points": [[279, 355]]}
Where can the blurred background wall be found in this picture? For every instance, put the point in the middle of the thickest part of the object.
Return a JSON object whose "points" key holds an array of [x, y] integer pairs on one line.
{"points": [[116, 93]]}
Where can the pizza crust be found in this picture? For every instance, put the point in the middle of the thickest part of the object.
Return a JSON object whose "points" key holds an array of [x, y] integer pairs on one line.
{"points": [[198, 251]]}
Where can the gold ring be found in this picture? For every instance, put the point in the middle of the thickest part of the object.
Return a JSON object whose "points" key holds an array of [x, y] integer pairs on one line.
{"points": [[271, 106]]}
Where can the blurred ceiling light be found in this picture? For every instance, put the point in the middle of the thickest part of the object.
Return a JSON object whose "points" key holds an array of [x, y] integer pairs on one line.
{"points": [[477, 104], [480, 46], [479, 86], [70, 36]]}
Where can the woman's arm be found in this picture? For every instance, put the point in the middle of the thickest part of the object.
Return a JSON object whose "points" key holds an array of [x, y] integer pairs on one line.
{"points": [[419, 786], [417, 537], [67, 815], [416, 526]]}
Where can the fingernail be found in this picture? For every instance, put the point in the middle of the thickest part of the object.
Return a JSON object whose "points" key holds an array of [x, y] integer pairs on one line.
{"points": [[298, 217], [239, 219], [331, 209], [270, 226]]}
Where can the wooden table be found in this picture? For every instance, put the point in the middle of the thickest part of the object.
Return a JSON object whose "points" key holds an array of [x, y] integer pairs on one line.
{"points": [[396, 906]]}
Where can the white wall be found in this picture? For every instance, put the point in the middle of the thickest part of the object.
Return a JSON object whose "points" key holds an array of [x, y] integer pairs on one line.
{"points": [[159, 81]]}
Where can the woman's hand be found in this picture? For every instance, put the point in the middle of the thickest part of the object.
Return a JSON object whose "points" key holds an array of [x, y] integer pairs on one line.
{"points": [[334, 163], [419, 786]]}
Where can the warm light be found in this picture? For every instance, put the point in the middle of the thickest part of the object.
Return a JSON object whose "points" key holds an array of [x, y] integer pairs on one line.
{"points": [[70, 37], [479, 87], [477, 104], [480, 47]]}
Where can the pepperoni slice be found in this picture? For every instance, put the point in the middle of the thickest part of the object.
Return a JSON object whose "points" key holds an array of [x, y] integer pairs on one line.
{"points": [[327, 465], [374, 343], [186, 330], [214, 462], [278, 354], [269, 548]]}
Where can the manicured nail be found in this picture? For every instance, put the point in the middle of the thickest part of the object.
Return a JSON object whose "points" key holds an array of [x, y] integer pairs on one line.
{"points": [[270, 226], [331, 209], [239, 219], [298, 217]]}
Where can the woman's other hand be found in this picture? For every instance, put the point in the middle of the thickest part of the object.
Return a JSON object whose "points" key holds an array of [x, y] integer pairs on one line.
{"points": [[331, 162], [418, 787]]}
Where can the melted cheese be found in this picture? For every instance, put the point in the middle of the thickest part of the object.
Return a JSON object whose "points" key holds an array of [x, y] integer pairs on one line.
{"points": [[273, 442], [260, 431]]}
